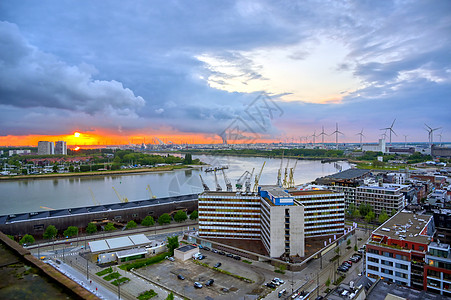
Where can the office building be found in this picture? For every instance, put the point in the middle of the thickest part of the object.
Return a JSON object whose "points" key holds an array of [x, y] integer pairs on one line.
{"points": [[46, 148], [396, 250], [381, 197], [438, 269], [18, 152], [61, 147], [279, 218]]}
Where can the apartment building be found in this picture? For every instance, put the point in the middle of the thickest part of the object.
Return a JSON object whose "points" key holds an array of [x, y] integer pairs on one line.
{"points": [[60, 147], [437, 269], [46, 148], [381, 197], [279, 218], [397, 249]]}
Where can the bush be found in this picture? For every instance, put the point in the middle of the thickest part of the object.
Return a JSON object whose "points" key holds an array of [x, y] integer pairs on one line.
{"points": [[71, 231], [50, 232], [170, 296], [112, 276], [120, 280], [148, 221], [91, 228], [145, 262], [103, 272], [194, 215], [109, 227], [147, 295]]}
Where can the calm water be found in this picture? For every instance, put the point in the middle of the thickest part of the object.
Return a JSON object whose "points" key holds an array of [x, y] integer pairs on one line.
{"points": [[36, 195]]}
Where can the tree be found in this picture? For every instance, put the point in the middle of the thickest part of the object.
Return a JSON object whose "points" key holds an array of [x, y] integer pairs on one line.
{"points": [[383, 216], [351, 209], [194, 215], [10, 236], [91, 228], [356, 214], [131, 224], [170, 296], [50, 232], [370, 216], [27, 239], [348, 242], [71, 168], [164, 219], [109, 227], [188, 159], [71, 231], [173, 243], [364, 209], [393, 212], [355, 248], [55, 168], [327, 282], [148, 221], [180, 216]]}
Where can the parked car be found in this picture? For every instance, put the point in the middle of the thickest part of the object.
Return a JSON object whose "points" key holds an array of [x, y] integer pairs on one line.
{"points": [[170, 258], [180, 276], [197, 285], [206, 249], [217, 265], [229, 255], [237, 257], [279, 280], [282, 292], [221, 253], [271, 285], [275, 282], [201, 247], [201, 257], [214, 250], [209, 282]]}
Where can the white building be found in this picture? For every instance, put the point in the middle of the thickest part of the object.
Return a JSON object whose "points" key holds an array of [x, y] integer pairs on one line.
{"points": [[380, 147], [19, 152], [61, 147]]}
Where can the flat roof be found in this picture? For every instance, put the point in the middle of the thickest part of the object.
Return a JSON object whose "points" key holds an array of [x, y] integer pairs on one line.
{"points": [[275, 190], [382, 289], [21, 217], [119, 242], [349, 174], [186, 248], [130, 252], [405, 226]]}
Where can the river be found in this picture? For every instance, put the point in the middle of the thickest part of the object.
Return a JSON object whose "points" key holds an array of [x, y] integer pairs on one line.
{"points": [[31, 195]]}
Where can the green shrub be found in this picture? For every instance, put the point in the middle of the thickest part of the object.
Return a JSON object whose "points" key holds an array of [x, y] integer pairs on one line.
{"points": [[145, 262], [120, 280], [106, 271], [112, 276], [147, 295]]}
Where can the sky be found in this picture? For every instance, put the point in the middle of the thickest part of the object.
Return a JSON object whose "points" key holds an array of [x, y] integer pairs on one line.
{"points": [[208, 71]]}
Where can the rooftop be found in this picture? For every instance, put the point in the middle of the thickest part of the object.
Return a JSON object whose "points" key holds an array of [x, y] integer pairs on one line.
{"points": [[382, 289], [275, 190], [186, 248], [118, 243], [405, 226], [349, 174]]}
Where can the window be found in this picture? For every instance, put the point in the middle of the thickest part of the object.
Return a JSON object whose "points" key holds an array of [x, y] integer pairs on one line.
{"points": [[387, 263], [401, 266], [388, 254], [372, 259], [374, 268]]}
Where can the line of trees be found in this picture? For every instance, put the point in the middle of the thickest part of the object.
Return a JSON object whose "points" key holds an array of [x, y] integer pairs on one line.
{"points": [[366, 212]]}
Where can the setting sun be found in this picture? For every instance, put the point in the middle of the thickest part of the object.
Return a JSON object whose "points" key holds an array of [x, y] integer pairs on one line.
{"points": [[76, 134]]}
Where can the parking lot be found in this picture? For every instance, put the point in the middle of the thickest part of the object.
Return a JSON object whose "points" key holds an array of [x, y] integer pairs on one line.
{"points": [[224, 286]]}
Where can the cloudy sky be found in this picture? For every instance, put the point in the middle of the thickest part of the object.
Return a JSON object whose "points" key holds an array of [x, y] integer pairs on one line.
{"points": [[192, 70]]}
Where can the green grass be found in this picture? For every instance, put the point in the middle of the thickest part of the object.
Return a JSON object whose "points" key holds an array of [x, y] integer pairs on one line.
{"points": [[147, 295], [145, 262], [279, 271], [103, 272], [246, 261], [339, 280], [120, 280], [112, 276]]}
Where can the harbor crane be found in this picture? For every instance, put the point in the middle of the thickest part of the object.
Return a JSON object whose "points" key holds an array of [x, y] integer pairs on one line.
{"points": [[285, 182], [206, 188], [247, 183], [152, 196], [123, 200], [93, 198], [279, 174], [218, 187], [239, 182], [291, 179], [257, 178], [227, 182]]}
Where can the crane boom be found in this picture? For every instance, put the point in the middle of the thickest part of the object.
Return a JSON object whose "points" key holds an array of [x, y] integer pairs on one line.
{"points": [[206, 188], [239, 182], [291, 183], [218, 187], [279, 174], [227, 182], [93, 198], [248, 181], [257, 178], [123, 200], [152, 196], [285, 182]]}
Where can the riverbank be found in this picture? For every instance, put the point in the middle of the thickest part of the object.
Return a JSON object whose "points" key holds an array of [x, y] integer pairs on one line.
{"points": [[322, 158], [100, 173]]}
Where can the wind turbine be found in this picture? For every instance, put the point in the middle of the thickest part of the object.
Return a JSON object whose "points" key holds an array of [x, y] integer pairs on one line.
{"points": [[405, 140], [431, 133], [440, 135], [314, 137], [390, 129], [361, 136], [322, 134], [336, 132]]}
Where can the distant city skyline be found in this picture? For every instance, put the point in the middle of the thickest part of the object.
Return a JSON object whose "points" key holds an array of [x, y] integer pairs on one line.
{"points": [[184, 72]]}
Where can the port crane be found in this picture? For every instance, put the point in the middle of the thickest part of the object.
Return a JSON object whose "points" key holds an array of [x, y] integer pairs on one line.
{"points": [[93, 198], [239, 182], [206, 188], [291, 180], [279, 174], [123, 200], [285, 182], [247, 183], [218, 187], [257, 178], [152, 196], [227, 182]]}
